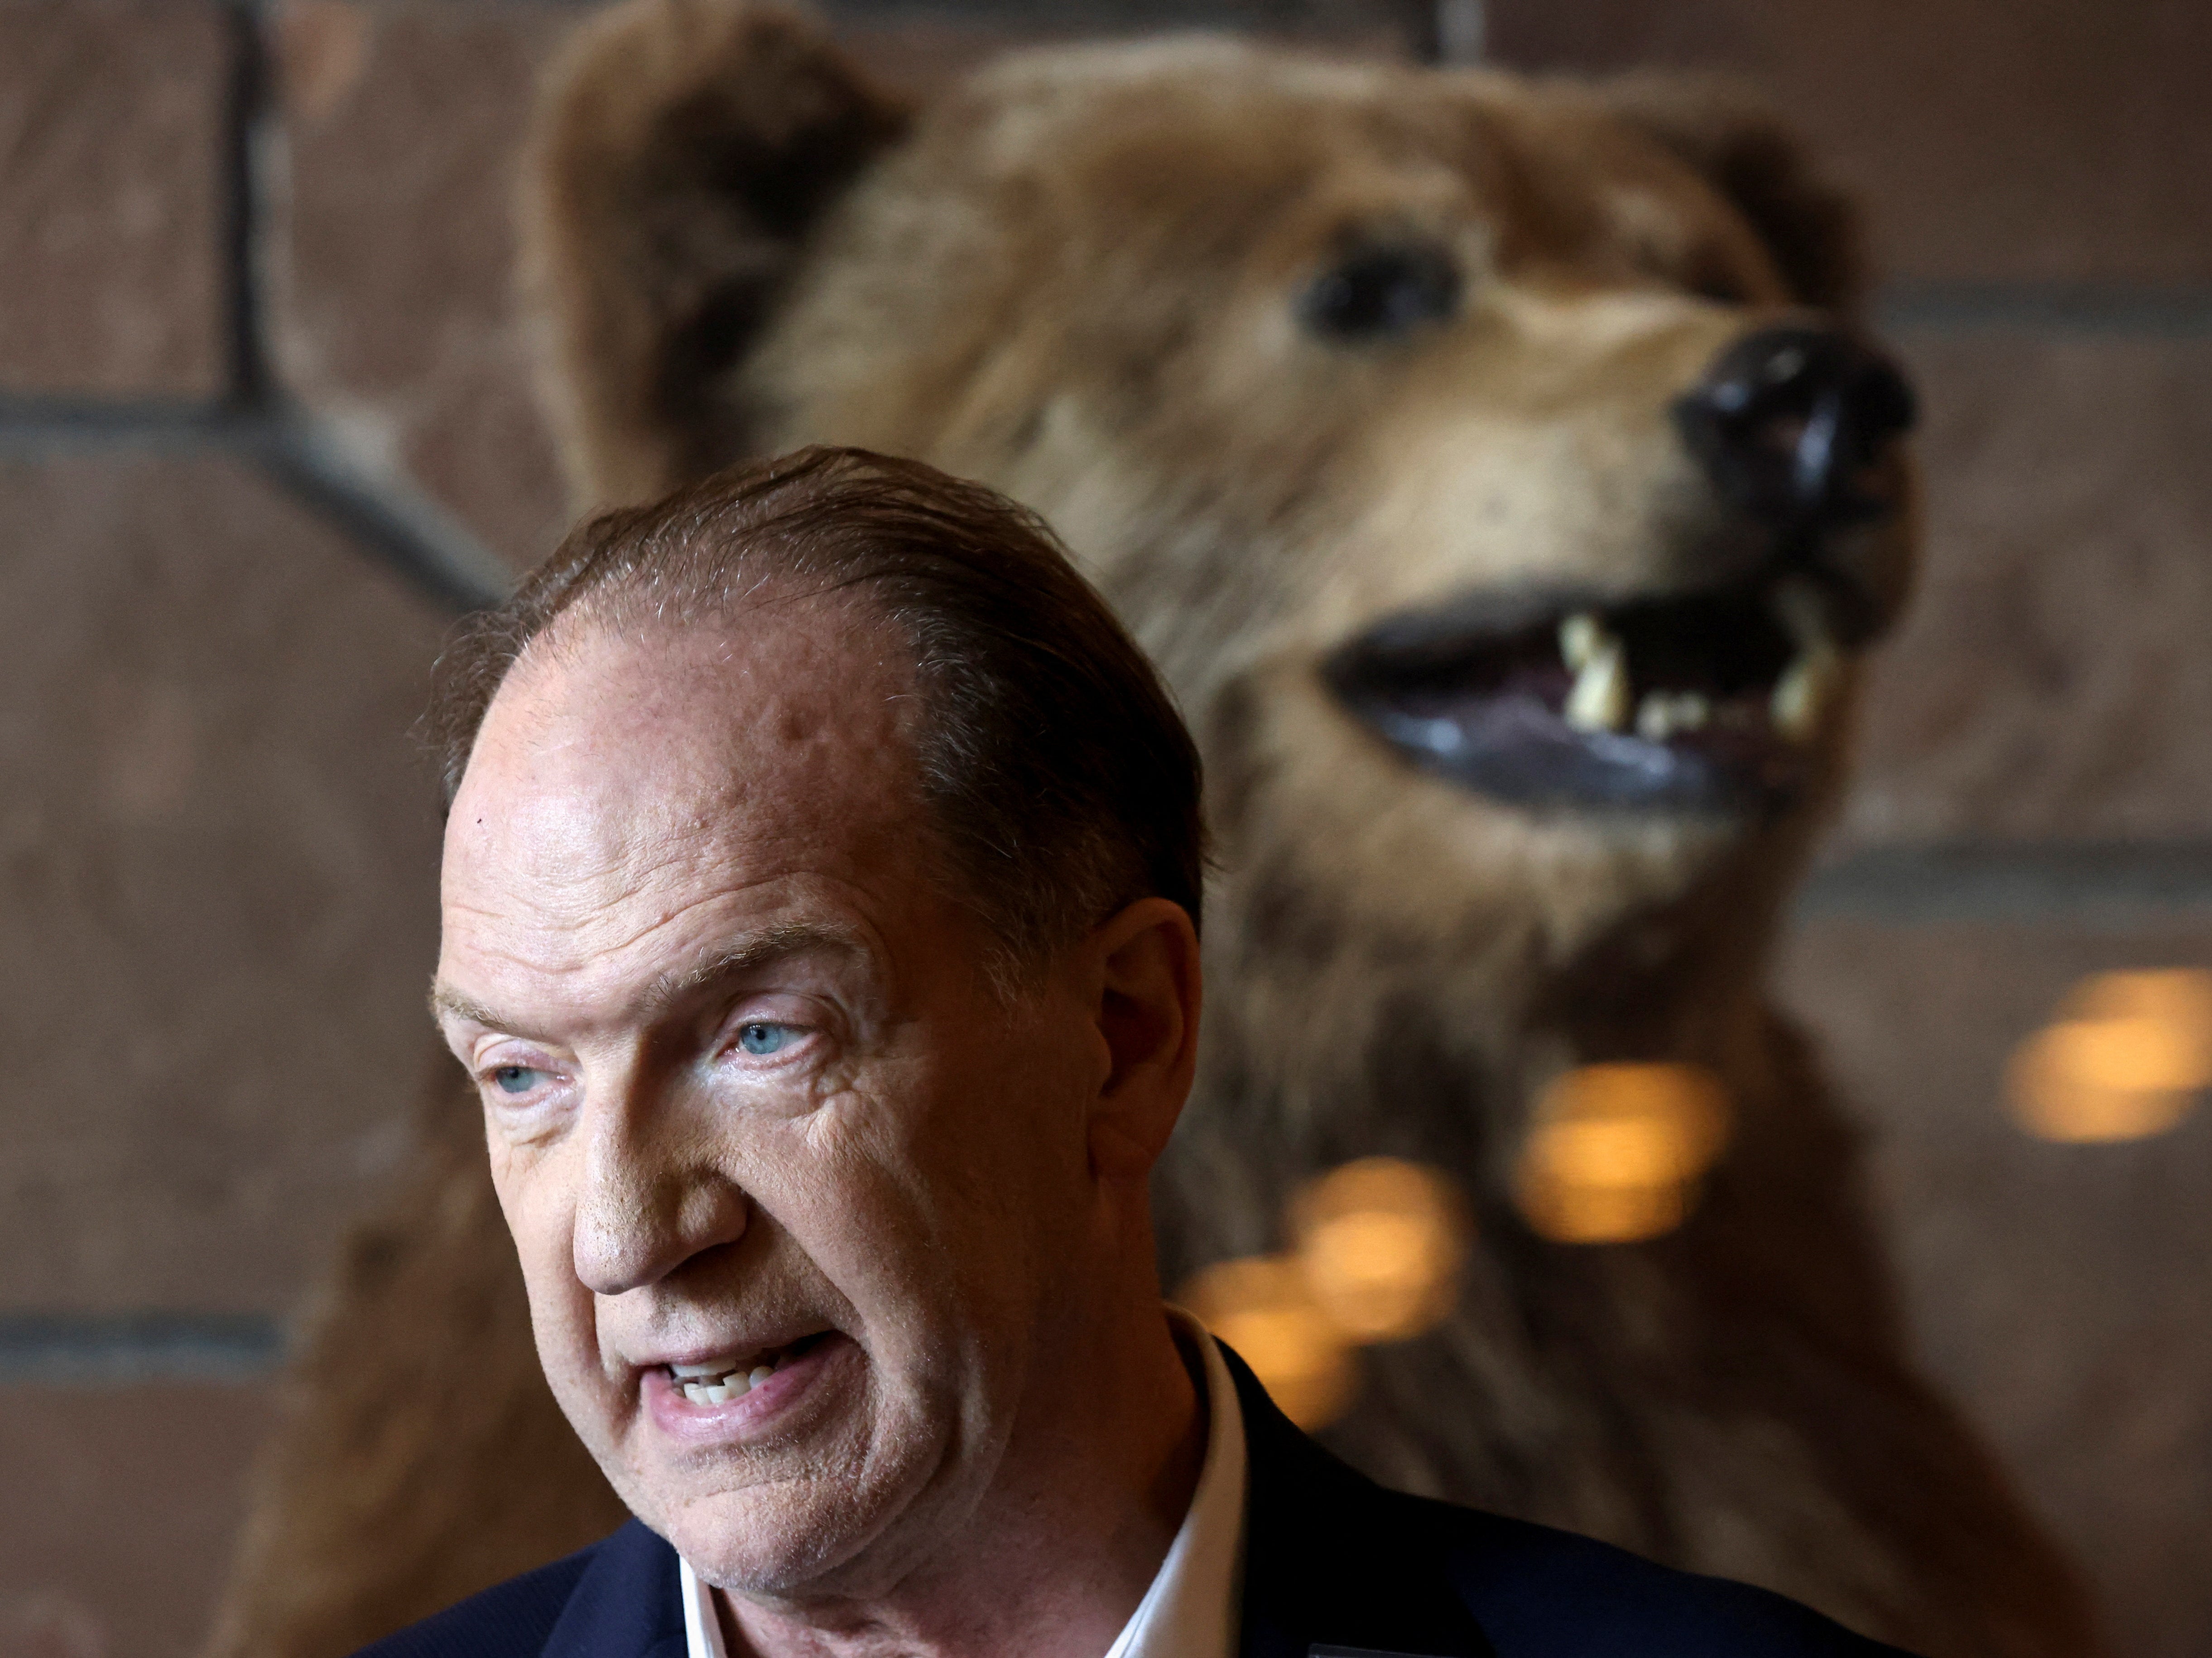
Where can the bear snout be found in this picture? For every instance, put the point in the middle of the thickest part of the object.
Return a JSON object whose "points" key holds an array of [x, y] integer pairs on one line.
{"points": [[1791, 425]]}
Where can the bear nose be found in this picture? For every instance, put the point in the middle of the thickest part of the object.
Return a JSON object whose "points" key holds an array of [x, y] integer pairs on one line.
{"points": [[1791, 423]]}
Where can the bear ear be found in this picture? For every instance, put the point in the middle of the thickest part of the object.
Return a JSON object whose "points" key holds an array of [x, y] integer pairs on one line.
{"points": [[1810, 226], [681, 152]]}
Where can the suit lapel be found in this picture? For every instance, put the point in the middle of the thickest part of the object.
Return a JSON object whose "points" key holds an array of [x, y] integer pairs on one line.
{"points": [[1332, 1561], [626, 1605]]}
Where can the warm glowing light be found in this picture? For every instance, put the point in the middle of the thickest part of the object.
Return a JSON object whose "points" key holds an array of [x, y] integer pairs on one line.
{"points": [[1381, 1242], [1567, 1213], [2124, 1060], [1263, 1307], [1614, 1151], [2181, 997]]}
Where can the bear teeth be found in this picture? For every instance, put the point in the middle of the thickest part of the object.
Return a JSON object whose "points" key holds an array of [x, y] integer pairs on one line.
{"points": [[1600, 700], [1580, 636], [1603, 697], [1802, 695], [1661, 715]]}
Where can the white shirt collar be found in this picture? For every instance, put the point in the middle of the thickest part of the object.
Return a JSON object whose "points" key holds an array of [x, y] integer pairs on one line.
{"points": [[1190, 1610], [702, 1628]]}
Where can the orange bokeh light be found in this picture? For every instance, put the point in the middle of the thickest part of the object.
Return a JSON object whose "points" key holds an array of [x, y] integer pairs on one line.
{"points": [[1380, 1241], [1263, 1307], [1614, 1151], [2124, 1060]]}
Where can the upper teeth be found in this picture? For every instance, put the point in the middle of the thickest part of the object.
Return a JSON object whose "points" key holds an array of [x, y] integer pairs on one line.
{"points": [[1660, 716], [719, 1380], [1599, 701], [1579, 635], [1802, 695], [1602, 698]]}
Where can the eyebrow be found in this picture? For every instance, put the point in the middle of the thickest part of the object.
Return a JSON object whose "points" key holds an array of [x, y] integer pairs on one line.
{"points": [[669, 989]]}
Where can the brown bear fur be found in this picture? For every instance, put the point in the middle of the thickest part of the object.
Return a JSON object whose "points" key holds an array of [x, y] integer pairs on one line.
{"points": [[1070, 278], [419, 1456]]}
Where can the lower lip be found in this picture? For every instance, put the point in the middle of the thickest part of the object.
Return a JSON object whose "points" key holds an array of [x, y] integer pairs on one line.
{"points": [[1517, 749], [753, 1415]]}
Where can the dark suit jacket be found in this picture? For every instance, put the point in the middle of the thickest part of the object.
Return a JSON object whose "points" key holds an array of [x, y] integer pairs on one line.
{"points": [[1334, 1567]]}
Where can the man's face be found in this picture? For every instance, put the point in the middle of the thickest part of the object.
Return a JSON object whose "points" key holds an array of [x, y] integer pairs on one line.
{"points": [[752, 1108]]}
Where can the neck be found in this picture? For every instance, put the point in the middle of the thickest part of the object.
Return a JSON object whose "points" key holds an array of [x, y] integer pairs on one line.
{"points": [[1096, 1478]]}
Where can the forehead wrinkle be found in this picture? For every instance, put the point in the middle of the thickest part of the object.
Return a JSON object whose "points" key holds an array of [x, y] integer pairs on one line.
{"points": [[778, 942], [763, 947], [620, 874], [591, 953]]}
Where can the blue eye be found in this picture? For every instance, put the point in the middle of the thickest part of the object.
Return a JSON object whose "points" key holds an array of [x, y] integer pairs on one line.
{"points": [[761, 1036], [515, 1079]]}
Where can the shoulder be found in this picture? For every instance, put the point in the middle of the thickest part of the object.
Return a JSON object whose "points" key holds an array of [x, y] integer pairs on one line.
{"points": [[518, 1618], [1535, 1590], [1333, 1559], [510, 1621]]}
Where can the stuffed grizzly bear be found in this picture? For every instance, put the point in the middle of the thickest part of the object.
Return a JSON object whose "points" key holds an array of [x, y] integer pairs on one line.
{"points": [[1493, 469]]}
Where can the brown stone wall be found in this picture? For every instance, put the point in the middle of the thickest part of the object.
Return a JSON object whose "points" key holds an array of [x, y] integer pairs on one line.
{"points": [[264, 424], [2058, 1290], [111, 130]]}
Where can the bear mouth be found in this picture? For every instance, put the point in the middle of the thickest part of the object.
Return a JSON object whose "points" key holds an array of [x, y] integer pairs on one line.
{"points": [[1712, 701]]}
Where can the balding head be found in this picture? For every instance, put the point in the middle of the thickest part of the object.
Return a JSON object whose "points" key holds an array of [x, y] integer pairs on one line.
{"points": [[1060, 777]]}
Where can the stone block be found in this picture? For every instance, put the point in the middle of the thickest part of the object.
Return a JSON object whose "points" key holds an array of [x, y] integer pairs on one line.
{"points": [[2051, 680], [1993, 140], [218, 854], [112, 199], [395, 245], [2056, 1291], [122, 1503]]}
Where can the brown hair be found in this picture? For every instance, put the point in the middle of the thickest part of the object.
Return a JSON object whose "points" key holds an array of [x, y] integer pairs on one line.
{"points": [[1060, 774]]}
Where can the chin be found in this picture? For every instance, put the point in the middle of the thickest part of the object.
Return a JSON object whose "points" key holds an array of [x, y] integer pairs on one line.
{"points": [[775, 1540], [844, 1509]]}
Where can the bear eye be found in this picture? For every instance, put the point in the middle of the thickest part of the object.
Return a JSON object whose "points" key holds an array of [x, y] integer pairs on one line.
{"points": [[1378, 292]]}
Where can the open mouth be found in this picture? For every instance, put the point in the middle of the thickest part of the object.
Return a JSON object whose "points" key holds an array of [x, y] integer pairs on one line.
{"points": [[720, 1380], [1706, 701]]}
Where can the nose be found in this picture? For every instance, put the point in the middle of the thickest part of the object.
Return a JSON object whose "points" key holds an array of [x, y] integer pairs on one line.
{"points": [[1790, 423], [644, 1204]]}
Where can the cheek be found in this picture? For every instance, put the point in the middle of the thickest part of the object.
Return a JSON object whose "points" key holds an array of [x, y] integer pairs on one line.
{"points": [[851, 1190], [539, 1220], [516, 1177], [1006, 1169], [901, 1206]]}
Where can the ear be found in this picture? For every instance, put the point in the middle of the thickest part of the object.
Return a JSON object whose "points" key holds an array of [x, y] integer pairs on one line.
{"points": [[1145, 974], [681, 153], [1809, 226]]}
